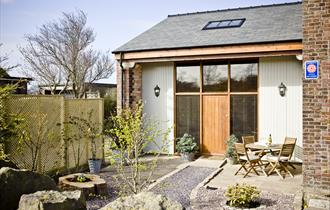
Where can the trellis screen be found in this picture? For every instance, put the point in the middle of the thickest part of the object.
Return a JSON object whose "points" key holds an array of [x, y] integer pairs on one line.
{"points": [[44, 117]]}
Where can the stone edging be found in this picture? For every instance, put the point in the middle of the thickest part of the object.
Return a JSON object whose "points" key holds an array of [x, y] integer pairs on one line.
{"points": [[298, 200], [180, 168]]}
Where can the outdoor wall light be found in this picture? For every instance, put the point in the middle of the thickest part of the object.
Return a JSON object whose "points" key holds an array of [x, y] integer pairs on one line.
{"points": [[157, 91], [282, 89]]}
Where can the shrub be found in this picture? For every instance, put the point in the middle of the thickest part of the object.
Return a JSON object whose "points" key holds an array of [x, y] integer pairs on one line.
{"points": [[9, 123], [241, 195], [230, 150], [186, 144], [131, 133]]}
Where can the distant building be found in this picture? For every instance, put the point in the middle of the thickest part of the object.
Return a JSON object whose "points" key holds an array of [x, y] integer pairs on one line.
{"points": [[94, 90], [21, 82]]}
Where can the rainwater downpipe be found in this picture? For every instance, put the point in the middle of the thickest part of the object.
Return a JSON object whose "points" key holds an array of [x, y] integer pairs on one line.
{"points": [[122, 79]]}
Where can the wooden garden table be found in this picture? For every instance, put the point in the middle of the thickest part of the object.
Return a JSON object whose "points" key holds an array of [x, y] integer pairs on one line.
{"points": [[264, 147]]}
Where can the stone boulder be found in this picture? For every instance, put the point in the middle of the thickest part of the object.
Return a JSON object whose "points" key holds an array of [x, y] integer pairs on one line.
{"points": [[14, 183], [7, 163], [53, 200], [143, 201]]}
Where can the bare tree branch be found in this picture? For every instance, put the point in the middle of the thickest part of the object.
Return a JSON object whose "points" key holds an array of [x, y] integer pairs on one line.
{"points": [[61, 54], [4, 62]]}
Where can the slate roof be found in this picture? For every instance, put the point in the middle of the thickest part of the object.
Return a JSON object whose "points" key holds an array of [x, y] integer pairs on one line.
{"points": [[266, 23]]}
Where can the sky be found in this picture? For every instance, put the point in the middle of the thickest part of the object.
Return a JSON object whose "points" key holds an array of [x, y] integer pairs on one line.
{"points": [[114, 22]]}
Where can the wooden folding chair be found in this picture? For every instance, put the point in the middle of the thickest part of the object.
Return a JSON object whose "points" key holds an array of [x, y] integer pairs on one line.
{"points": [[248, 139], [279, 163], [247, 160]]}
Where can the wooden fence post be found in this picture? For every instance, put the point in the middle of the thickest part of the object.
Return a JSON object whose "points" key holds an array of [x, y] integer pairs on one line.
{"points": [[63, 134]]}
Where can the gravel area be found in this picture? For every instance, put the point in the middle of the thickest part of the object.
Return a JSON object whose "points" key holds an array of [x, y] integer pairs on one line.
{"points": [[215, 199], [179, 186], [164, 167], [99, 202]]}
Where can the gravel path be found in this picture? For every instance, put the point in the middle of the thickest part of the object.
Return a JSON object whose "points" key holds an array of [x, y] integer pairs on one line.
{"points": [[215, 199], [179, 186]]}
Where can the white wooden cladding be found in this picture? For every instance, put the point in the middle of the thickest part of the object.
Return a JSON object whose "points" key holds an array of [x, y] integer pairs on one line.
{"points": [[280, 116], [159, 108]]}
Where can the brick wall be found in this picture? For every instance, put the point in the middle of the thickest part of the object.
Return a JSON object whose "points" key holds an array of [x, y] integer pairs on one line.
{"points": [[135, 85], [132, 86], [316, 94]]}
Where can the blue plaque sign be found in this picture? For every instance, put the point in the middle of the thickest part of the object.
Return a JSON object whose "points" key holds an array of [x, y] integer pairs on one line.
{"points": [[311, 69]]}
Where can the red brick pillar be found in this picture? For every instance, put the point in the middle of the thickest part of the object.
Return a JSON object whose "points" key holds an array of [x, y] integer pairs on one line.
{"points": [[316, 94], [135, 91], [130, 87]]}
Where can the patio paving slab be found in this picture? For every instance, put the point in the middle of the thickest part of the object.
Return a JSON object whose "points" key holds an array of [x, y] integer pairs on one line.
{"points": [[272, 183]]}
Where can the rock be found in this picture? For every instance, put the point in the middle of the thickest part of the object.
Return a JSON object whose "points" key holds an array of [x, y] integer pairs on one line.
{"points": [[14, 183], [7, 163], [143, 201], [51, 200]]}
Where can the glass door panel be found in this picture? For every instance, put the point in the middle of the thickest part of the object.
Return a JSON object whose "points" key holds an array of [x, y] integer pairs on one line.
{"points": [[187, 116]]}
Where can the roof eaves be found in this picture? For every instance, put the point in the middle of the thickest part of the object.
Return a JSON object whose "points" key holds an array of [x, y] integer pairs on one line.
{"points": [[187, 47]]}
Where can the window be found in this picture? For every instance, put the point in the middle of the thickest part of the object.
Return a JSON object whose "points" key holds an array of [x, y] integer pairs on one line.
{"points": [[187, 78], [244, 77], [224, 24], [243, 115], [215, 78]]}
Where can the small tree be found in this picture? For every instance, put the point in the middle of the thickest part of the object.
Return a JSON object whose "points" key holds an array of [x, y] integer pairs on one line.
{"points": [[133, 132], [76, 130], [37, 139]]}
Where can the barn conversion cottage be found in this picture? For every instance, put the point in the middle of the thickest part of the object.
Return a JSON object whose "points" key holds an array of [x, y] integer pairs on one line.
{"points": [[219, 73], [237, 71]]}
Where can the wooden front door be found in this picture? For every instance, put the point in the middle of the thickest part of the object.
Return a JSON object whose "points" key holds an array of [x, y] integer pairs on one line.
{"points": [[215, 123]]}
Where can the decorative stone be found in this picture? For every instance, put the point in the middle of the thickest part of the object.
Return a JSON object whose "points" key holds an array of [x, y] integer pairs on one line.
{"points": [[14, 183], [143, 201], [94, 185], [50, 200]]}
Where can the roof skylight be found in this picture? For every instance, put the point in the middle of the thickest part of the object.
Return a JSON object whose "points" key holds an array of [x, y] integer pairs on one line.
{"points": [[224, 24]]}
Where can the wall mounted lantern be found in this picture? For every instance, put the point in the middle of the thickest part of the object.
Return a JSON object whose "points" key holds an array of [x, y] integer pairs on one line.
{"points": [[282, 89], [157, 91]]}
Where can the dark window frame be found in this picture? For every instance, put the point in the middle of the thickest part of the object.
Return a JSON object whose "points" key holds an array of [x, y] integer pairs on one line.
{"points": [[206, 27]]}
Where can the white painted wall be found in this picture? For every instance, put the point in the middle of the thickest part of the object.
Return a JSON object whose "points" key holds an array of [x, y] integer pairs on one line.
{"points": [[280, 116], [159, 108]]}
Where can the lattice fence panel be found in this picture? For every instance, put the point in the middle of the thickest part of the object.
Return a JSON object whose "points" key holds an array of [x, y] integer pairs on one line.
{"points": [[42, 117], [45, 118], [81, 108]]}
